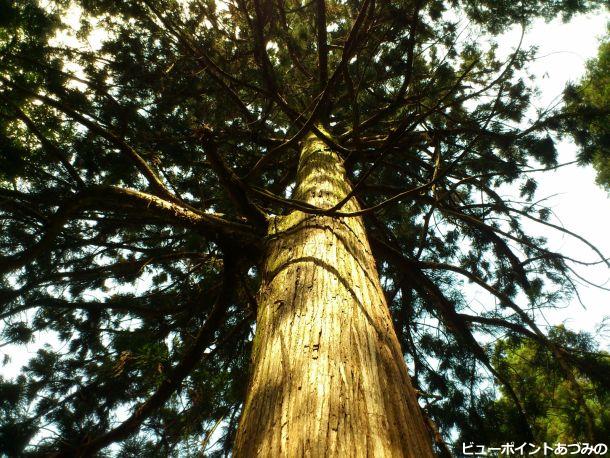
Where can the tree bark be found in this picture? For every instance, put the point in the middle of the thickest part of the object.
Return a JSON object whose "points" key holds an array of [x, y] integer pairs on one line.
{"points": [[328, 375]]}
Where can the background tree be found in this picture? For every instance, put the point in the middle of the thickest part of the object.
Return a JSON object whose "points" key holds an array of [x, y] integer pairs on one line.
{"points": [[588, 114], [139, 178], [546, 394]]}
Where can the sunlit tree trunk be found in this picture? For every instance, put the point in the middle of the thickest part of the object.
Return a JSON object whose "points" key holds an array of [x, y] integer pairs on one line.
{"points": [[328, 376]]}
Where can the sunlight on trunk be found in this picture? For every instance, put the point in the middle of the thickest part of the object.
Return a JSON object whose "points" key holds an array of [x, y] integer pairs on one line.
{"points": [[328, 376]]}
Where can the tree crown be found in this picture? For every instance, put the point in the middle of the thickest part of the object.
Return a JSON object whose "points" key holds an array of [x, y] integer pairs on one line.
{"points": [[138, 178]]}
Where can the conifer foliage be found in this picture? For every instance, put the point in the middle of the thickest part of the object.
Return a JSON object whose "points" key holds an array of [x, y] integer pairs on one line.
{"points": [[142, 160]]}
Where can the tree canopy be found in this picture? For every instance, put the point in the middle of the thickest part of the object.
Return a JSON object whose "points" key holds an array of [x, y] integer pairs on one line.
{"points": [[590, 128], [546, 394], [141, 161]]}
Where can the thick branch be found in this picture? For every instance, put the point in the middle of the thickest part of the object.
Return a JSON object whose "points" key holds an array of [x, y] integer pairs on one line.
{"points": [[213, 226], [322, 43], [236, 189]]}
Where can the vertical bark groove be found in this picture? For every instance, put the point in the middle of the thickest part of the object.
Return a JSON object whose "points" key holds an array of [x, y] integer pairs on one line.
{"points": [[328, 376]]}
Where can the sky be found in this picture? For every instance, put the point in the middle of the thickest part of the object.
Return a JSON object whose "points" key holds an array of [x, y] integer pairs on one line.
{"points": [[577, 202]]}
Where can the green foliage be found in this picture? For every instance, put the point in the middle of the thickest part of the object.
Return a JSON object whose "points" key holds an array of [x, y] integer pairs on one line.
{"points": [[16, 430], [547, 395], [588, 106], [141, 160]]}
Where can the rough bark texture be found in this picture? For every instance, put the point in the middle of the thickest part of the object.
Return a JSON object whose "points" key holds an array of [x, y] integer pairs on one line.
{"points": [[328, 376]]}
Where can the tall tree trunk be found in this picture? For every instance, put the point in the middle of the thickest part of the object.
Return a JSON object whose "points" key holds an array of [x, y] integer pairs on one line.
{"points": [[328, 376]]}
